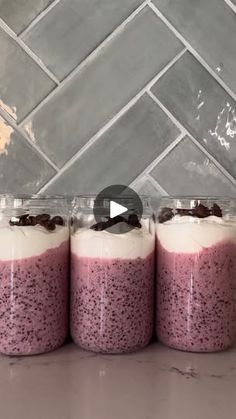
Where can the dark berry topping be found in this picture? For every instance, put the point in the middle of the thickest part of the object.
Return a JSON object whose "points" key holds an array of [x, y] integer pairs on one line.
{"points": [[49, 225], [165, 215], [58, 220], [42, 219], [132, 221], [23, 217], [99, 226], [32, 220], [183, 211], [199, 211], [25, 222], [216, 210]]}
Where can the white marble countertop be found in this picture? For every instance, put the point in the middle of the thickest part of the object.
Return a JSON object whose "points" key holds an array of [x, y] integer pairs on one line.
{"points": [[155, 383]]}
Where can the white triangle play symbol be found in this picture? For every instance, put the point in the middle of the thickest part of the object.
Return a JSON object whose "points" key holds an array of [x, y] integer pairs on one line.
{"points": [[116, 209]]}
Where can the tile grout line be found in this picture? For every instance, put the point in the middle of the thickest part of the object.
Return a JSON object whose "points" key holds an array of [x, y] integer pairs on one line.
{"points": [[168, 113], [113, 120], [94, 53], [191, 49], [231, 5], [187, 133], [156, 184], [28, 51], [161, 156], [38, 18], [86, 61], [13, 124]]}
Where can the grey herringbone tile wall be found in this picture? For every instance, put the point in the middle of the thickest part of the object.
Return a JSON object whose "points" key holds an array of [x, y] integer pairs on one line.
{"points": [[130, 91]]}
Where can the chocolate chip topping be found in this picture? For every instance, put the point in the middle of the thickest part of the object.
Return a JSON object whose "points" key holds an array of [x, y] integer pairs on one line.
{"points": [[165, 215], [99, 226], [199, 211], [58, 220], [32, 220], [23, 217], [49, 225], [216, 210], [132, 221], [42, 219]]}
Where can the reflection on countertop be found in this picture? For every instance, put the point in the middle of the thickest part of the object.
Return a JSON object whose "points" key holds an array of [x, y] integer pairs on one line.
{"points": [[155, 383]]}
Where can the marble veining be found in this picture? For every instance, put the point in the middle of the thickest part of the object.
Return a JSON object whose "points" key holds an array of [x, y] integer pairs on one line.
{"points": [[155, 382]]}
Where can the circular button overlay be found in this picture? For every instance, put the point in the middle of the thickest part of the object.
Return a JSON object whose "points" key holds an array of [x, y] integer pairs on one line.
{"points": [[117, 209]]}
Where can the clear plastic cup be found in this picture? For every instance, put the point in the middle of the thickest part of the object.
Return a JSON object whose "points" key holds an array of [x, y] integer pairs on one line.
{"points": [[196, 273], [112, 282], [34, 274]]}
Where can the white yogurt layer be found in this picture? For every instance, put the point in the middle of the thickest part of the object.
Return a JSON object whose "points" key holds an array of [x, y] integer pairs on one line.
{"points": [[23, 242], [186, 234], [102, 244]]}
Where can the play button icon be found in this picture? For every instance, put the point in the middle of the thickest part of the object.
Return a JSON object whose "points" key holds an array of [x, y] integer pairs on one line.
{"points": [[117, 209]]}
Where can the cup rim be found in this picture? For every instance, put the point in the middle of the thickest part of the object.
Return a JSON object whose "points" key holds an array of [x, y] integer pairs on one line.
{"points": [[199, 197], [29, 196]]}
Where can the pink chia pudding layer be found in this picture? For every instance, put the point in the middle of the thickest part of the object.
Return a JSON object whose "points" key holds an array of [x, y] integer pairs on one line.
{"points": [[33, 290], [196, 285], [112, 294]]}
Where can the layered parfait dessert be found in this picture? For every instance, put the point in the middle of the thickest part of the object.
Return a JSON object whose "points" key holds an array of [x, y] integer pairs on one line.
{"points": [[34, 252], [112, 280], [196, 275]]}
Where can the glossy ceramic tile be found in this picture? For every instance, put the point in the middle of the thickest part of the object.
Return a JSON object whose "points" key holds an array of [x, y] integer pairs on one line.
{"points": [[22, 169], [154, 383], [188, 171], [73, 29], [19, 13], [210, 27], [203, 107], [74, 118], [122, 153], [22, 82], [145, 187], [63, 125]]}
